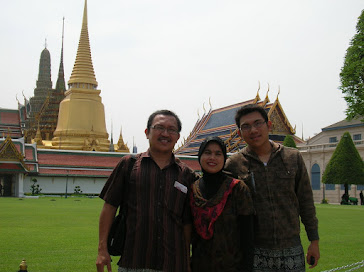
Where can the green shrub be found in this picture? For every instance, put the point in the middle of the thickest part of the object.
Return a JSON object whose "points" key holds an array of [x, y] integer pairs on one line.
{"points": [[35, 188]]}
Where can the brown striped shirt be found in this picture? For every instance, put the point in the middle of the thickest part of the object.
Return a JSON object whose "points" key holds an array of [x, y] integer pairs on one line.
{"points": [[157, 211]]}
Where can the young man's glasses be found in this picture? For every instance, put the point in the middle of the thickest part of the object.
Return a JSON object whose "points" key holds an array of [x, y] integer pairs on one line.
{"points": [[247, 127], [161, 129]]}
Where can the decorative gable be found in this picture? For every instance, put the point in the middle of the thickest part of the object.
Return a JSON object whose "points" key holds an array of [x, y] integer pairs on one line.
{"points": [[9, 153]]}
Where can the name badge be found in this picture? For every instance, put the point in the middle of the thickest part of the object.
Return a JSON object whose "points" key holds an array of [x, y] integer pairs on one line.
{"points": [[180, 187]]}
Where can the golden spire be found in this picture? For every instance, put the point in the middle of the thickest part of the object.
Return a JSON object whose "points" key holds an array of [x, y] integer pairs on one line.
{"points": [[266, 97], [38, 137], [122, 147], [279, 91], [81, 118], [83, 75], [257, 98]]}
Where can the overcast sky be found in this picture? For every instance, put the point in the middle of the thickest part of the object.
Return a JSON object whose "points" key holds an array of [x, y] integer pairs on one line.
{"points": [[151, 55]]}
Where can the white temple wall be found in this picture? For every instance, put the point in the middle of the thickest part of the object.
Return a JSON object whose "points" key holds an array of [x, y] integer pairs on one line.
{"points": [[57, 185]]}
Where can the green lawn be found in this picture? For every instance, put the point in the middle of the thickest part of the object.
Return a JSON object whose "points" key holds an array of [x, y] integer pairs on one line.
{"points": [[58, 234], [341, 230]]}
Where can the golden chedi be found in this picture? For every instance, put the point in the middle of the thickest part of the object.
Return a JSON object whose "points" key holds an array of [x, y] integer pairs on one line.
{"points": [[81, 119]]}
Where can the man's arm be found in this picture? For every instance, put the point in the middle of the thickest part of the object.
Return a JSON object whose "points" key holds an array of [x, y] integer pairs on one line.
{"points": [[313, 251], [308, 211], [187, 229], [106, 217]]}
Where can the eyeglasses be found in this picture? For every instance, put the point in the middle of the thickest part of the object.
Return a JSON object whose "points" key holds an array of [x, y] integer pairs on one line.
{"points": [[161, 129], [257, 124]]}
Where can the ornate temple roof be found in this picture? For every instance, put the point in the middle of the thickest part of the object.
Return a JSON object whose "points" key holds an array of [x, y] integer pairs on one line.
{"points": [[86, 163], [220, 122], [10, 123], [15, 157]]}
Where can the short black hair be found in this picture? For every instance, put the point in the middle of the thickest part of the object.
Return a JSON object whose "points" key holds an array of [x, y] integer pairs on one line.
{"points": [[164, 112], [249, 109]]}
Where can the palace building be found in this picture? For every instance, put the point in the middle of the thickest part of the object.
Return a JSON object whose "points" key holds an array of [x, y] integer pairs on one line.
{"points": [[317, 152]]}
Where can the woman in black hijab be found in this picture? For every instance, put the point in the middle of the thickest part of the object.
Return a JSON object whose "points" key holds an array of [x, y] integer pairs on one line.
{"points": [[222, 208]]}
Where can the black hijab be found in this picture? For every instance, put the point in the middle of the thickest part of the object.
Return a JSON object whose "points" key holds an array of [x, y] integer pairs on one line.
{"points": [[211, 183], [207, 141]]}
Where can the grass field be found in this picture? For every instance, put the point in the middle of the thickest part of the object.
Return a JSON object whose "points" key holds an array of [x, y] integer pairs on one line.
{"points": [[58, 234]]}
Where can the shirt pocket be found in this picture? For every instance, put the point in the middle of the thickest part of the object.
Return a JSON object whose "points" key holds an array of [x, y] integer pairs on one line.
{"points": [[175, 201], [285, 182]]}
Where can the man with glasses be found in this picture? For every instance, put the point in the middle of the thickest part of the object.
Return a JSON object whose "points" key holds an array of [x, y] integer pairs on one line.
{"points": [[159, 218], [281, 192]]}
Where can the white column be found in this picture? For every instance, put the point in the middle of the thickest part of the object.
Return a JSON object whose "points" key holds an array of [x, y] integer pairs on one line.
{"points": [[20, 184]]}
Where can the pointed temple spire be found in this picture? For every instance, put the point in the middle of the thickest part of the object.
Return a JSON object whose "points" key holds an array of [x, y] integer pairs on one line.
{"points": [[111, 148], [257, 97], [61, 85], [41, 92], [44, 75], [81, 119], [83, 74], [122, 147]]}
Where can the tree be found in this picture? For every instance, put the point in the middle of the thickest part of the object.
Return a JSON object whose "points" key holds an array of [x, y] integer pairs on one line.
{"points": [[288, 141], [352, 73], [345, 166]]}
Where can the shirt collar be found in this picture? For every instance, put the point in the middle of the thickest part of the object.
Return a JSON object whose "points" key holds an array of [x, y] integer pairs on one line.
{"points": [[174, 160], [276, 147]]}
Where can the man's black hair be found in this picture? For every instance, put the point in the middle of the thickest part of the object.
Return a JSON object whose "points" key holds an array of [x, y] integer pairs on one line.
{"points": [[249, 109], [164, 112]]}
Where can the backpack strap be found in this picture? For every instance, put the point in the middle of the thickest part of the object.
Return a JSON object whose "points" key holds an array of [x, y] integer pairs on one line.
{"points": [[127, 175]]}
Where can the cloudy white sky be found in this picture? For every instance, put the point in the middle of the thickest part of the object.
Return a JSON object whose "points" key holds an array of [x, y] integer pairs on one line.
{"points": [[150, 55]]}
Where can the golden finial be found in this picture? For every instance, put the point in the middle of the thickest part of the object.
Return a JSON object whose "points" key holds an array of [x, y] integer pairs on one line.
{"points": [[23, 266], [257, 98]]}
